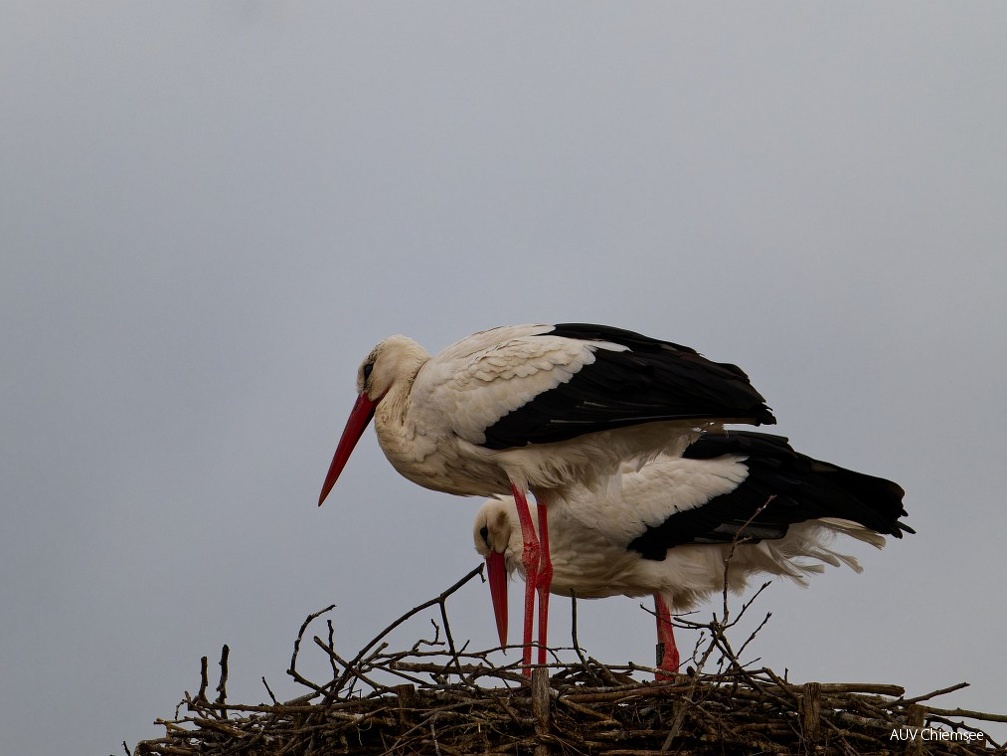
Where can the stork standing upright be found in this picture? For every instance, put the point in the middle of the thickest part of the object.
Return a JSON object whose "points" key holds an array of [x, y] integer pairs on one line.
{"points": [[538, 408], [734, 504]]}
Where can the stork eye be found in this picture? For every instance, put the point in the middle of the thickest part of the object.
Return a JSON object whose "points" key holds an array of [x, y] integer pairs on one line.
{"points": [[368, 367], [484, 533]]}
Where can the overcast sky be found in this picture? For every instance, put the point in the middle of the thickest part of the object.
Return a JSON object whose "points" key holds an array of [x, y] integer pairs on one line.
{"points": [[210, 212]]}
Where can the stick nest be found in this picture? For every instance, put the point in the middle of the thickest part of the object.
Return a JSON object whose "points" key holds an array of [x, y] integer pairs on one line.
{"points": [[436, 698]]}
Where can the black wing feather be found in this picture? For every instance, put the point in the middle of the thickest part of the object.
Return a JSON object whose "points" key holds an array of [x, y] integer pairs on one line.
{"points": [[788, 487], [652, 381]]}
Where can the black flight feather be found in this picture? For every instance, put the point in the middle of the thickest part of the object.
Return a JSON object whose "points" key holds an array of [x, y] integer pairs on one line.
{"points": [[788, 487], [651, 381]]}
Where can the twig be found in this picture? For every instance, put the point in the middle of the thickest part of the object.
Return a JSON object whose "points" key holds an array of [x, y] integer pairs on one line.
{"points": [[222, 685], [575, 640], [341, 681], [269, 690], [934, 693], [300, 634], [203, 678]]}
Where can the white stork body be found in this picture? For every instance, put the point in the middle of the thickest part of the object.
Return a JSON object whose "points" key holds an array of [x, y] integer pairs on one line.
{"points": [[538, 408], [670, 528]]}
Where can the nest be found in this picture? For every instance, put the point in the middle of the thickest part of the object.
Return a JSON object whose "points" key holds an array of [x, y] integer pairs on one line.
{"points": [[441, 699]]}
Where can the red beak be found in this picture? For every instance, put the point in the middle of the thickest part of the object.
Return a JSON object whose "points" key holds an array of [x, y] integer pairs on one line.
{"points": [[360, 416], [496, 569]]}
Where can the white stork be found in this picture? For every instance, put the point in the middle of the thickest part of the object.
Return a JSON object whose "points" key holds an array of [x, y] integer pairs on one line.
{"points": [[538, 408], [671, 526]]}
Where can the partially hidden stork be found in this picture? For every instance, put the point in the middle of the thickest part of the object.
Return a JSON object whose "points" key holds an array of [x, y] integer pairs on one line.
{"points": [[733, 505]]}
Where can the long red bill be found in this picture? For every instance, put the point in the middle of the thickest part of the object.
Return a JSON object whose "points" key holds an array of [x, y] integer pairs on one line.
{"points": [[360, 416], [496, 569]]}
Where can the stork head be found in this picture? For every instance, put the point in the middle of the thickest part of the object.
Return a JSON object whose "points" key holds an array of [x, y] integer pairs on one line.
{"points": [[496, 526], [393, 362]]}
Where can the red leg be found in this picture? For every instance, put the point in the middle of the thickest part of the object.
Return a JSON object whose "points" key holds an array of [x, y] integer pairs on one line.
{"points": [[530, 558], [667, 652], [544, 579]]}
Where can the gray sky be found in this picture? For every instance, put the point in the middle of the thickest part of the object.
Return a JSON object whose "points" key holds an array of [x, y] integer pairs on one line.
{"points": [[210, 212]]}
